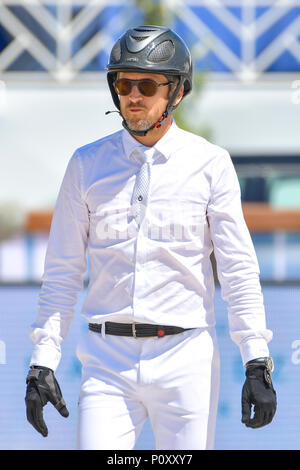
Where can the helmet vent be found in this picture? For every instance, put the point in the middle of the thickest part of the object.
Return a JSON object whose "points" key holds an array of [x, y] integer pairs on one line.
{"points": [[139, 38], [163, 51], [144, 30]]}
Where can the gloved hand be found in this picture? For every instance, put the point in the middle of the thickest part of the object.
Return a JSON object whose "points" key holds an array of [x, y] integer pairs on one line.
{"points": [[42, 387], [258, 390]]}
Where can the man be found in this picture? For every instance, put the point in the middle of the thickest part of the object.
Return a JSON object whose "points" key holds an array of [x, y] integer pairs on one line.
{"points": [[150, 203]]}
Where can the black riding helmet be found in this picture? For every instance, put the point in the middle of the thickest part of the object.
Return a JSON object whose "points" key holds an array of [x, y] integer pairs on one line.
{"points": [[151, 49]]}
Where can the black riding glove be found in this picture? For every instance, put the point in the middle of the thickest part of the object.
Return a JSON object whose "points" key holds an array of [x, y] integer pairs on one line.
{"points": [[258, 390], [42, 387]]}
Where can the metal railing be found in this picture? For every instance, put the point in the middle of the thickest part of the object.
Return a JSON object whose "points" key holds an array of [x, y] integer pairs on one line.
{"points": [[67, 40]]}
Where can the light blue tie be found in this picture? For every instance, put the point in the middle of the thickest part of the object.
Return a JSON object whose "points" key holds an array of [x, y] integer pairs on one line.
{"points": [[141, 188]]}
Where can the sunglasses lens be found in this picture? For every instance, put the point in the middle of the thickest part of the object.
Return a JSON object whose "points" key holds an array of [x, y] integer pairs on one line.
{"points": [[147, 87], [123, 86]]}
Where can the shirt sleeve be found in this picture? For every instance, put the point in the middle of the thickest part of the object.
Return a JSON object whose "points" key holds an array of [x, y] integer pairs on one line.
{"points": [[237, 265], [65, 265]]}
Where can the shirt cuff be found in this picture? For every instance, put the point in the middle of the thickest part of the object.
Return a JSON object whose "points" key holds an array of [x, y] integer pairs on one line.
{"points": [[46, 356], [253, 348]]}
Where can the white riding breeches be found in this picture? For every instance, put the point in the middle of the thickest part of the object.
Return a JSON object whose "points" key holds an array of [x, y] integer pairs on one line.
{"points": [[173, 380]]}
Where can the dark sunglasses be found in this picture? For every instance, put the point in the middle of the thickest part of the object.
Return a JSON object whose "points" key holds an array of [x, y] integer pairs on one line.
{"points": [[146, 86]]}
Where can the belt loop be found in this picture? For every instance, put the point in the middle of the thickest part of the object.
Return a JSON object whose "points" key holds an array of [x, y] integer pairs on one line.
{"points": [[103, 330]]}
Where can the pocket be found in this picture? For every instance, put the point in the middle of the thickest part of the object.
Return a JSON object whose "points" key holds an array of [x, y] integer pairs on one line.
{"points": [[111, 222], [177, 220]]}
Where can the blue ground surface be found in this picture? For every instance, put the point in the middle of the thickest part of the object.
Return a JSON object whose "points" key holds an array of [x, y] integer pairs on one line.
{"points": [[18, 311]]}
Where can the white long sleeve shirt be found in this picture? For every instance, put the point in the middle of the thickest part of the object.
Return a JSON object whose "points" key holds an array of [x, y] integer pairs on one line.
{"points": [[160, 272]]}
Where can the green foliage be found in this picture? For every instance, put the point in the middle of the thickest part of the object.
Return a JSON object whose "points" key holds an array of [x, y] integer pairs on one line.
{"points": [[182, 113], [155, 12]]}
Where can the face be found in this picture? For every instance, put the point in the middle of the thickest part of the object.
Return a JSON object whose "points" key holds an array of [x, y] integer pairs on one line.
{"points": [[139, 111]]}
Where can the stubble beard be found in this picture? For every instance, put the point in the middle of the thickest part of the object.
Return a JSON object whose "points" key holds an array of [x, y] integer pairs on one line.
{"points": [[138, 125]]}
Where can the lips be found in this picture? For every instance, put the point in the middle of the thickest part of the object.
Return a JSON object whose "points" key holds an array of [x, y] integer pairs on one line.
{"points": [[135, 110]]}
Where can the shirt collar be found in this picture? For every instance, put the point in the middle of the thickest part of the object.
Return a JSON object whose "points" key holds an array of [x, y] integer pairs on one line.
{"points": [[131, 146], [162, 148], [167, 143]]}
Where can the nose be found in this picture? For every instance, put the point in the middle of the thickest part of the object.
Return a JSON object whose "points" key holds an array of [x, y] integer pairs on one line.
{"points": [[135, 93]]}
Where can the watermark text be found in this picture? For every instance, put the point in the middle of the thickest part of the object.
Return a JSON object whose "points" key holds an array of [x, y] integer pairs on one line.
{"points": [[2, 352], [295, 358], [295, 97]]}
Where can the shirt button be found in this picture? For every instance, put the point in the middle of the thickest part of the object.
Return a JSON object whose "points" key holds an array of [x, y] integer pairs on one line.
{"points": [[140, 198]]}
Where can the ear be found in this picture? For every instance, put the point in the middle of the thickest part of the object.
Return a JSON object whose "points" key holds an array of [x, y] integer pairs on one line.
{"points": [[179, 96]]}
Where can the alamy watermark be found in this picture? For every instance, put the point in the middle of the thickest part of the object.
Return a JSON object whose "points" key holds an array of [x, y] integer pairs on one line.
{"points": [[171, 223], [2, 352], [295, 358], [295, 97]]}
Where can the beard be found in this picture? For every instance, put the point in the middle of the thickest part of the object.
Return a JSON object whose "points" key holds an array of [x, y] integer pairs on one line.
{"points": [[138, 125], [141, 123]]}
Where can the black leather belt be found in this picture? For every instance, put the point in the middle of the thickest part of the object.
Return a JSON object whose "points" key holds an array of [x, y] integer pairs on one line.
{"points": [[137, 330]]}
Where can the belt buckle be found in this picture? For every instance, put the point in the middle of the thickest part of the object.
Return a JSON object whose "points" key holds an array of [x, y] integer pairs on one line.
{"points": [[133, 329]]}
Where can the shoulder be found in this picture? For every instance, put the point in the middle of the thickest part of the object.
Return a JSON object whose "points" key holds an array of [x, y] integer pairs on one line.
{"points": [[200, 146], [98, 147], [198, 142]]}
